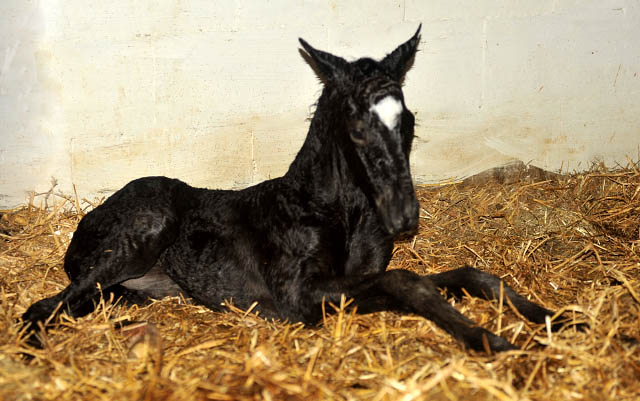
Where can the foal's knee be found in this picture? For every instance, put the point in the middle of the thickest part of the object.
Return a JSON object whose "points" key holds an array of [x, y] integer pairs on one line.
{"points": [[409, 285]]}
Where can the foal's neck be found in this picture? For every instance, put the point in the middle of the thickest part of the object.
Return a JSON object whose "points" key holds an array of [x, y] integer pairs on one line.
{"points": [[321, 167]]}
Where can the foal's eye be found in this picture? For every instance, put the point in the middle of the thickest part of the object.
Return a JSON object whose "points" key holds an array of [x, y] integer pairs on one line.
{"points": [[357, 133], [358, 137]]}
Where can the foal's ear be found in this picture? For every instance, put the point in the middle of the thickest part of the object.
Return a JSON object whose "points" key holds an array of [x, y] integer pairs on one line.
{"points": [[330, 66], [397, 62]]}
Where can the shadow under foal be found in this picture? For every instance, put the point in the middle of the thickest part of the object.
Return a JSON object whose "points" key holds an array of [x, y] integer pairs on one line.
{"points": [[324, 229]]}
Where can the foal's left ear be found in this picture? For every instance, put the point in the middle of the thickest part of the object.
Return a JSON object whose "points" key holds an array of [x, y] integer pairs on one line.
{"points": [[330, 66], [397, 62]]}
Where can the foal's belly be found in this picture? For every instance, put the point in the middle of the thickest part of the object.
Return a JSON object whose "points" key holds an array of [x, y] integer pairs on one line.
{"points": [[154, 284], [212, 275]]}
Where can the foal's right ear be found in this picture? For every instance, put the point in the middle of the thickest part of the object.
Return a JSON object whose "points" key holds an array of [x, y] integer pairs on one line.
{"points": [[329, 65]]}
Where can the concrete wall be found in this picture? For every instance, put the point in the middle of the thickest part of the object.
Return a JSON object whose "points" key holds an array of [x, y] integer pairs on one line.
{"points": [[217, 94]]}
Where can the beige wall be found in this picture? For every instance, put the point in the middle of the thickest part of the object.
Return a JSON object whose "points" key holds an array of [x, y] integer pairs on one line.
{"points": [[217, 94]]}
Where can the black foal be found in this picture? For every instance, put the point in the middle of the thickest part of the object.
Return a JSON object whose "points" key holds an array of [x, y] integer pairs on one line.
{"points": [[324, 229]]}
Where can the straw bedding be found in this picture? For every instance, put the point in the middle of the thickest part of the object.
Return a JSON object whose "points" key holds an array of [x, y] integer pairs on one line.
{"points": [[571, 243]]}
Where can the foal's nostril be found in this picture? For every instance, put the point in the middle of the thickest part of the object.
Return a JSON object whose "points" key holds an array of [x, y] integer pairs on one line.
{"points": [[398, 222], [411, 208], [401, 213], [398, 210]]}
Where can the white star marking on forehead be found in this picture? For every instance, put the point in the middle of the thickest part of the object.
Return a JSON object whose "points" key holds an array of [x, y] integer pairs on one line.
{"points": [[388, 110]]}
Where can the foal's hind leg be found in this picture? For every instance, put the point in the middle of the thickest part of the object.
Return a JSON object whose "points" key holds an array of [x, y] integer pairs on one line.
{"points": [[484, 285], [106, 255]]}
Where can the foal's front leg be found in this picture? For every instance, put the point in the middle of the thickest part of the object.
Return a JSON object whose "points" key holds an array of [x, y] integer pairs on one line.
{"points": [[422, 297], [402, 290], [484, 285]]}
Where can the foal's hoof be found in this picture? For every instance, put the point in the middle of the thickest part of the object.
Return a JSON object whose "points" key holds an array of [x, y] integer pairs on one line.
{"points": [[32, 339], [484, 340], [31, 335], [499, 344]]}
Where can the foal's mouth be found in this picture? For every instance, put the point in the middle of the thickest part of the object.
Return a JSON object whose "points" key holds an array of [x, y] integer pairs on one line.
{"points": [[398, 212]]}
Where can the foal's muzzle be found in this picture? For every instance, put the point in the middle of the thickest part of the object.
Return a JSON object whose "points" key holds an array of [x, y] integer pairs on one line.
{"points": [[398, 211]]}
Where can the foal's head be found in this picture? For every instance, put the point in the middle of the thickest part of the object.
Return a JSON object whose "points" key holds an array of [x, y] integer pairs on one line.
{"points": [[377, 129]]}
